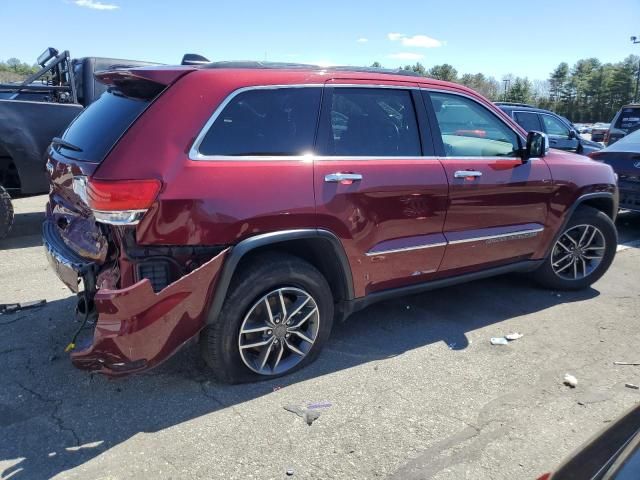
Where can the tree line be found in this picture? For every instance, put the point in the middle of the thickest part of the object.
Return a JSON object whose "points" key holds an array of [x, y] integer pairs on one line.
{"points": [[14, 70], [590, 91]]}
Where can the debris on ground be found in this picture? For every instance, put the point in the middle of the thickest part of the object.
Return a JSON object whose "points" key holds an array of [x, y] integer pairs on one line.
{"points": [[570, 380], [499, 341], [290, 472], [16, 307], [317, 405], [308, 415], [513, 336], [626, 363], [631, 385]]}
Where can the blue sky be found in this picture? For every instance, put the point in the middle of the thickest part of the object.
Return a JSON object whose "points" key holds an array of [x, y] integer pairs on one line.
{"points": [[495, 37]]}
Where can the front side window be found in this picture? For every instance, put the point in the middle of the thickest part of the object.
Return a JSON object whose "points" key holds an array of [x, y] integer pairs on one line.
{"points": [[470, 130], [280, 121], [374, 122], [528, 120], [555, 127]]}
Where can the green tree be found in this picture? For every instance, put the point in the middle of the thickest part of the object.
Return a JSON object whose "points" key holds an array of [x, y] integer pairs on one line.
{"points": [[443, 72]]}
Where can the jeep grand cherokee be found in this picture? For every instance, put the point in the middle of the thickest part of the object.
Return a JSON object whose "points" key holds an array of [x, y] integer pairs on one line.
{"points": [[250, 205]]}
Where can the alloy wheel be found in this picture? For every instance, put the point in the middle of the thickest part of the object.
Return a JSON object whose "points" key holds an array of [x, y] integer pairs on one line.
{"points": [[578, 252], [278, 331]]}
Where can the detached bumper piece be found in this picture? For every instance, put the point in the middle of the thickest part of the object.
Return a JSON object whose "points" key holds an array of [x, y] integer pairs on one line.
{"points": [[138, 328], [68, 265]]}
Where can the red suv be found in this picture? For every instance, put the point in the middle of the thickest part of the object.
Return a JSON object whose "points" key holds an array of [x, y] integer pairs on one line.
{"points": [[250, 205]]}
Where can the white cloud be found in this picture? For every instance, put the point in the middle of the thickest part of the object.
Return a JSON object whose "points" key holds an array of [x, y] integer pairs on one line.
{"points": [[420, 41], [406, 56], [395, 36], [95, 5], [362, 40]]}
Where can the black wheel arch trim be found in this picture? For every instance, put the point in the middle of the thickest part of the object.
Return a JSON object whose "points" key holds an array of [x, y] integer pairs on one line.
{"points": [[241, 249], [580, 201]]}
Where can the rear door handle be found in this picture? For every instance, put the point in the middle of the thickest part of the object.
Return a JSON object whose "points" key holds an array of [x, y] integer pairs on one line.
{"points": [[344, 178], [467, 173]]}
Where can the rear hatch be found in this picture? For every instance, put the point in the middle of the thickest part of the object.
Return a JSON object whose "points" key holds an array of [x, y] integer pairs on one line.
{"points": [[627, 121], [82, 209]]}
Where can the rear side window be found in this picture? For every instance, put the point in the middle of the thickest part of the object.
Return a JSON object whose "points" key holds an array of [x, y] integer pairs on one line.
{"points": [[372, 122], [469, 129], [97, 129], [628, 120], [528, 120], [280, 121]]}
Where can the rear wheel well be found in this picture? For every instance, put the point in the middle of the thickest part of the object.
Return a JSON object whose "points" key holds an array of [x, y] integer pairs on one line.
{"points": [[604, 204], [316, 251], [9, 177]]}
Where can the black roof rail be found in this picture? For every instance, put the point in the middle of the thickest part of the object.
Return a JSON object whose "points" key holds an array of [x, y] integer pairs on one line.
{"points": [[305, 66], [514, 104]]}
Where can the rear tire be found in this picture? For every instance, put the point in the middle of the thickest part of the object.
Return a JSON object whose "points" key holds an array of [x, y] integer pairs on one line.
{"points": [[582, 253], [252, 314], [6, 213]]}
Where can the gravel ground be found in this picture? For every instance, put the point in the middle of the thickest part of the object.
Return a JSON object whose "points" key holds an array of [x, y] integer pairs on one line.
{"points": [[415, 389]]}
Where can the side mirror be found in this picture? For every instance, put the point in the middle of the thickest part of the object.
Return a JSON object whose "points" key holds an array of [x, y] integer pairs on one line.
{"points": [[537, 145], [572, 134]]}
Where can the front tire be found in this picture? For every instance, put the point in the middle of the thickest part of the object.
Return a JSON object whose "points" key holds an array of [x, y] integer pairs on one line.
{"points": [[582, 252], [6, 213], [275, 320]]}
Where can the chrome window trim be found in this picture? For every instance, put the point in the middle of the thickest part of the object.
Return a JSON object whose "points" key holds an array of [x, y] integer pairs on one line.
{"points": [[405, 249], [194, 153], [491, 237]]}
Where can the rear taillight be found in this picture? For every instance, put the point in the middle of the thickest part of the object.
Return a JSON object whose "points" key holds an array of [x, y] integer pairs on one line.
{"points": [[120, 202]]}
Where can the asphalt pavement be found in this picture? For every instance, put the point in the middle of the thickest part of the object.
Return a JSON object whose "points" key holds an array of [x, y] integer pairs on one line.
{"points": [[407, 389]]}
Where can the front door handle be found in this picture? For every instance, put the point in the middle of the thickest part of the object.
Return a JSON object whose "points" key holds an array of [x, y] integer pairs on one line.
{"points": [[344, 178], [467, 173]]}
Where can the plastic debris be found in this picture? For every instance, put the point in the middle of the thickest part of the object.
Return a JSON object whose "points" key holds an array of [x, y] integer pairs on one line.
{"points": [[631, 385], [513, 336], [626, 363], [317, 405], [499, 341], [309, 416], [16, 307], [570, 380], [290, 472]]}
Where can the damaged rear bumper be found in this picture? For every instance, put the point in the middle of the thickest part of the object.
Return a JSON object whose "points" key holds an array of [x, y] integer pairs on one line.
{"points": [[137, 328]]}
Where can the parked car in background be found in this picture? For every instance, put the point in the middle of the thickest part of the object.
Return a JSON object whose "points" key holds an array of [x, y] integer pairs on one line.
{"points": [[561, 132], [281, 196], [627, 120], [613, 454], [38, 109], [583, 127], [624, 157], [599, 131]]}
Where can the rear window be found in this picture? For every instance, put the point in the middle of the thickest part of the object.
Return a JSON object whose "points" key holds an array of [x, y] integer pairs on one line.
{"points": [[628, 120], [277, 122], [97, 129]]}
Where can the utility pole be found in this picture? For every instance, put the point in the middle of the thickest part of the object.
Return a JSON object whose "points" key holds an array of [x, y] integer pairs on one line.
{"points": [[506, 81], [635, 40]]}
